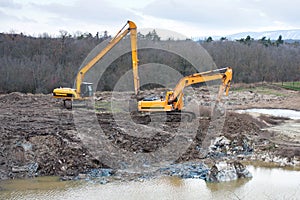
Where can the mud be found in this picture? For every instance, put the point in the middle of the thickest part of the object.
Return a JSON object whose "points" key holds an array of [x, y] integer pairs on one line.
{"points": [[39, 137]]}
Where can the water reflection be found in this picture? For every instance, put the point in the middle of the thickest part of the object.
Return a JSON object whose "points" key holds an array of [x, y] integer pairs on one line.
{"points": [[267, 183], [227, 186]]}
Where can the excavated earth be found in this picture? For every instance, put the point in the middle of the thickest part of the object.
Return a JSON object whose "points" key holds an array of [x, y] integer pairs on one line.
{"points": [[39, 137]]}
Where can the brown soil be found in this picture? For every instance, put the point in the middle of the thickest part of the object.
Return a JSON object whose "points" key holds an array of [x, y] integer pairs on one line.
{"points": [[39, 137]]}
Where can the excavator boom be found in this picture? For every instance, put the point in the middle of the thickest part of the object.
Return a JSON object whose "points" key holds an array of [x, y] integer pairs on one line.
{"points": [[83, 90], [120, 35], [200, 78]]}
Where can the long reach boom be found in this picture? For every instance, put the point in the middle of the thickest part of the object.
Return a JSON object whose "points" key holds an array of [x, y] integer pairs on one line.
{"points": [[83, 89]]}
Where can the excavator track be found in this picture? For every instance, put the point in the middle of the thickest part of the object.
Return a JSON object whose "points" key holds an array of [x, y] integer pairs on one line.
{"points": [[172, 116]]}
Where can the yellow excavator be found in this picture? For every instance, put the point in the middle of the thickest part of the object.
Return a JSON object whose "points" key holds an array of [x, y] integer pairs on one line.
{"points": [[173, 104], [173, 101], [84, 90]]}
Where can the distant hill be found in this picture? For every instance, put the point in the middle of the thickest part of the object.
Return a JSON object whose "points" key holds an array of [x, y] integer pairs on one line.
{"points": [[287, 35], [273, 35]]}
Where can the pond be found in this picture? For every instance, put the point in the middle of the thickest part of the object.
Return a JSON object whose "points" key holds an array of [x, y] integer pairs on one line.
{"points": [[267, 183], [290, 128], [292, 114]]}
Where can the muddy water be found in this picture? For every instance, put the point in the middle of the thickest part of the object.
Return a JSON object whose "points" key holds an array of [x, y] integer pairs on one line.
{"points": [[293, 114], [290, 128], [267, 183]]}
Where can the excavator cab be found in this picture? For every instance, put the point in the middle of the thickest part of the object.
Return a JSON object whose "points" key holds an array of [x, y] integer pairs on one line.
{"points": [[86, 89]]}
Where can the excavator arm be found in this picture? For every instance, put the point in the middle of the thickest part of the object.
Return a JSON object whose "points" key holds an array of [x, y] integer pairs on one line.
{"points": [[133, 35], [204, 77]]}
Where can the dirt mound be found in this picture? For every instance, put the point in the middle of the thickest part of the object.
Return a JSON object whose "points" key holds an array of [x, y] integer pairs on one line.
{"points": [[129, 142], [39, 137], [12, 97]]}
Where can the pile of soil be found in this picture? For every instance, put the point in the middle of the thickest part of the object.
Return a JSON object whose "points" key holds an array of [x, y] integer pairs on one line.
{"points": [[39, 137], [35, 131]]}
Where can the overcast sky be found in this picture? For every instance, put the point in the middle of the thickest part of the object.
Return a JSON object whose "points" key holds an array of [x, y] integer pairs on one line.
{"points": [[189, 17]]}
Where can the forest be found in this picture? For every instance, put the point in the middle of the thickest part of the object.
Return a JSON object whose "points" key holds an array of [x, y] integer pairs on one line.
{"points": [[40, 64]]}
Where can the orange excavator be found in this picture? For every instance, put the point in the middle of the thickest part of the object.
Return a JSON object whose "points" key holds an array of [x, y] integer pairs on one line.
{"points": [[173, 104], [84, 90]]}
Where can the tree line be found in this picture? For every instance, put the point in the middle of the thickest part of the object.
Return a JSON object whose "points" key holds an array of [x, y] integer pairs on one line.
{"points": [[257, 60], [39, 64]]}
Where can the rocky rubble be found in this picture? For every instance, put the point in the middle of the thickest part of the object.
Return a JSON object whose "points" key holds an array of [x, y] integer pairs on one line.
{"points": [[223, 171], [222, 147], [186, 170], [278, 160], [219, 172]]}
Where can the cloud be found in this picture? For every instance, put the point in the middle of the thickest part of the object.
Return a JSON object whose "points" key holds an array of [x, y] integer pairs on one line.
{"points": [[17, 24], [88, 11], [11, 18], [192, 18], [281, 11], [6, 17], [51, 16], [225, 14], [9, 4]]}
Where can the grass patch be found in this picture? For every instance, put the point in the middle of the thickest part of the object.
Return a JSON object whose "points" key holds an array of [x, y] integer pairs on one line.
{"points": [[268, 91], [257, 88], [291, 85]]}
